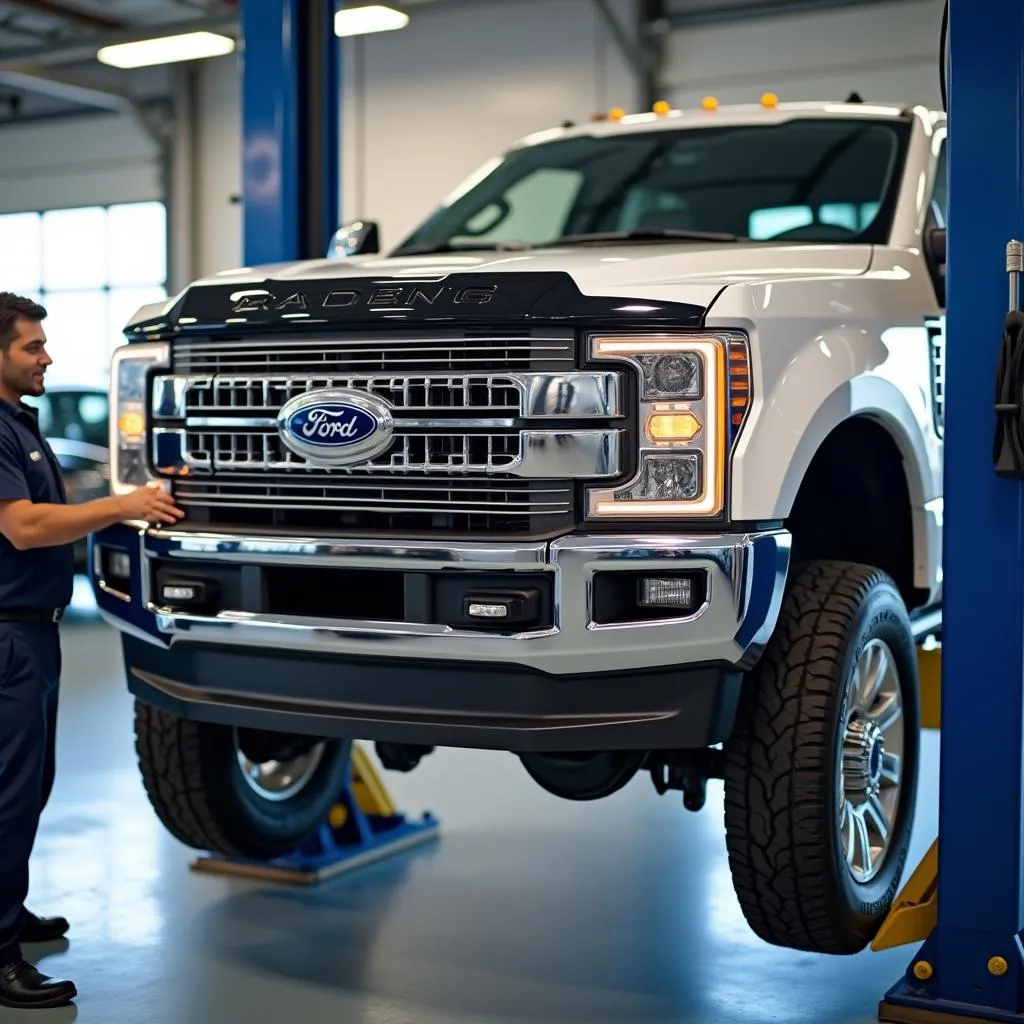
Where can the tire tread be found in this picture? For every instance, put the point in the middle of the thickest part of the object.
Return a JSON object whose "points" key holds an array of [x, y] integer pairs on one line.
{"points": [[169, 762], [779, 763]]}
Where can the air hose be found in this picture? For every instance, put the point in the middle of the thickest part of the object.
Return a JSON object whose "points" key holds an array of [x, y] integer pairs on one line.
{"points": [[1008, 450], [944, 54], [1008, 447]]}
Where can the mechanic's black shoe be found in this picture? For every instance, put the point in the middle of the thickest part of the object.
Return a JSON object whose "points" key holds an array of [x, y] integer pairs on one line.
{"points": [[43, 929], [22, 987]]}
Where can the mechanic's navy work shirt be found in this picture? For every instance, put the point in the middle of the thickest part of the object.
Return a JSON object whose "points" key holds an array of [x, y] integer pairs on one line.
{"points": [[40, 578]]}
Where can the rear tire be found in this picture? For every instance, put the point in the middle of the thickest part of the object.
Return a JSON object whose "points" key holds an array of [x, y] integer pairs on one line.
{"points": [[198, 785], [819, 767]]}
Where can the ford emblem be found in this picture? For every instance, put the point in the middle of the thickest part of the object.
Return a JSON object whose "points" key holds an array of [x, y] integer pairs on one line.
{"points": [[336, 427]]}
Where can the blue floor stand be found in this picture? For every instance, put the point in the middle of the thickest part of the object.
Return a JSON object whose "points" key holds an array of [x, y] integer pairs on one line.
{"points": [[290, 205], [363, 828], [970, 966]]}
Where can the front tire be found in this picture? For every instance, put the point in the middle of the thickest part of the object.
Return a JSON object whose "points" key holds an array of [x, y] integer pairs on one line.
{"points": [[233, 792], [821, 769]]}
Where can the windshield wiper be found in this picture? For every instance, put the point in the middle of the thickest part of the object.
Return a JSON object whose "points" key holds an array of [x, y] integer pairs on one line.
{"points": [[647, 234], [431, 248]]}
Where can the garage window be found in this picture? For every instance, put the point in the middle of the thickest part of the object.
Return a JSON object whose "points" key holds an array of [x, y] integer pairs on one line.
{"points": [[92, 267]]}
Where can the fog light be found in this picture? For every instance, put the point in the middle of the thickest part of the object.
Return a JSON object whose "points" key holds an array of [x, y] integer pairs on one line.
{"points": [[119, 565], [501, 607], [476, 610], [675, 592], [184, 592]]}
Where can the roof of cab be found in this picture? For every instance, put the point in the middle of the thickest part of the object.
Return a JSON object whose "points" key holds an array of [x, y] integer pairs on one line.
{"points": [[711, 113]]}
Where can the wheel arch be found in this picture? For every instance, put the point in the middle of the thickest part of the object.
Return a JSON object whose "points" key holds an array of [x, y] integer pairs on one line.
{"points": [[804, 398], [855, 502]]}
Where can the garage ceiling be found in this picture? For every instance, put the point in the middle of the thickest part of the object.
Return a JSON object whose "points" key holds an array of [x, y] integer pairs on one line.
{"points": [[26, 24], [48, 47]]}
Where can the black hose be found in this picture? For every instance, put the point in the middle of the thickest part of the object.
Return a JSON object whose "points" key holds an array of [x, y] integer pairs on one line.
{"points": [[944, 54], [1008, 445]]}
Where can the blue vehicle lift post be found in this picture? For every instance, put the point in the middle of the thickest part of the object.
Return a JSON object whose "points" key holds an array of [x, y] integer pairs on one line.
{"points": [[291, 118], [970, 965], [291, 94]]}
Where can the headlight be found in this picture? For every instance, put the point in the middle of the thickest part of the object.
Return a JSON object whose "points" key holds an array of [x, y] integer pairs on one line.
{"points": [[129, 389], [694, 393]]}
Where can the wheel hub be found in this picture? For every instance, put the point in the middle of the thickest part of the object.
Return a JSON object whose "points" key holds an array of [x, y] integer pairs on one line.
{"points": [[870, 761], [863, 758], [278, 778]]}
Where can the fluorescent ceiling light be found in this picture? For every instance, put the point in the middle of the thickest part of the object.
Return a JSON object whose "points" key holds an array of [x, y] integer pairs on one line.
{"points": [[359, 21], [166, 50]]}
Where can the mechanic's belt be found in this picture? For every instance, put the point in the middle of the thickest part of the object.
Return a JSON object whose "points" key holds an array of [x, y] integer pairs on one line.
{"points": [[31, 614]]}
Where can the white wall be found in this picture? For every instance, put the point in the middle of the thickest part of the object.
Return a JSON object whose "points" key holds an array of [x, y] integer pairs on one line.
{"points": [[217, 221], [424, 107], [887, 52]]}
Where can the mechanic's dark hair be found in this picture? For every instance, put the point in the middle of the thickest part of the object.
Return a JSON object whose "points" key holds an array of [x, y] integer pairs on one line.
{"points": [[13, 308]]}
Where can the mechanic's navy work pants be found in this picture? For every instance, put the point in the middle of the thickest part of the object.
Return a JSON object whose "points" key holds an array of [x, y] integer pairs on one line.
{"points": [[30, 663]]}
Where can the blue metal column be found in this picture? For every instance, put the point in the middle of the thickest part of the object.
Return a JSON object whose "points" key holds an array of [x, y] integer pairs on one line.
{"points": [[971, 964], [291, 116]]}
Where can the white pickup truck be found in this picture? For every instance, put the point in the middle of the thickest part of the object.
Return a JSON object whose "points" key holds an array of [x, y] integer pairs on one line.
{"points": [[628, 460]]}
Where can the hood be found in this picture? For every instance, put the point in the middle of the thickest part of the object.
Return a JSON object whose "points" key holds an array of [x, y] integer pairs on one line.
{"points": [[552, 283]]}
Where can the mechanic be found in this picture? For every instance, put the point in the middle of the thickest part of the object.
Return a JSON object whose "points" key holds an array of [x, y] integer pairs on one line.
{"points": [[38, 529]]}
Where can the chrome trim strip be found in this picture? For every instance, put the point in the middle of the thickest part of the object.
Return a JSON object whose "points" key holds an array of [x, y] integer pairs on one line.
{"points": [[575, 395], [215, 423], [100, 579], [448, 351], [228, 422], [169, 393], [541, 395], [746, 575], [108, 589], [543, 455], [352, 554], [172, 457], [551, 454]]}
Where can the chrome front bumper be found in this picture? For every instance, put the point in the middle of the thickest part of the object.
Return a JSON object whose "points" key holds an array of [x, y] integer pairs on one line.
{"points": [[745, 572]]}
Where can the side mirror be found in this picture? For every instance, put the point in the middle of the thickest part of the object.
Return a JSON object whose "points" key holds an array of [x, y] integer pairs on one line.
{"points": [[361, 237]]}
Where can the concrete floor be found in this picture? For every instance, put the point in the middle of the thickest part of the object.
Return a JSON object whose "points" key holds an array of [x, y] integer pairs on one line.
{"points": [[527, 908]]}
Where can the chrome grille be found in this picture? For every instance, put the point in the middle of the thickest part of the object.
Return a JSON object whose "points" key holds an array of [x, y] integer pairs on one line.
{"points": [[489, 431], [385, 353], [265, 395], [464, 453], [325, 493]]}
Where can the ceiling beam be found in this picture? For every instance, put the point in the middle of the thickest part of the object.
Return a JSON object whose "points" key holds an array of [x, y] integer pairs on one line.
{"points": [[628, 47], [63, 88], [85, 50], [744, 10], [71, 14], [72, 90]]}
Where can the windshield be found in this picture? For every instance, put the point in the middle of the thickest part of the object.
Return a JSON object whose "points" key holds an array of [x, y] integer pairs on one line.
{"points": [[821, 180]]}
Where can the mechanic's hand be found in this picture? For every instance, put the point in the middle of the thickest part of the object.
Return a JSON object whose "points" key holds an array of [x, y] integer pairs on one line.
{"points": [[149, 504]]}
